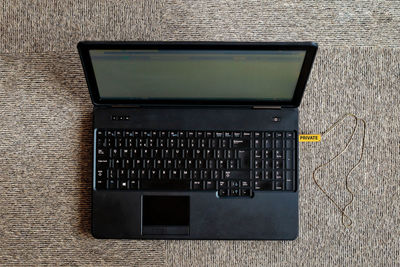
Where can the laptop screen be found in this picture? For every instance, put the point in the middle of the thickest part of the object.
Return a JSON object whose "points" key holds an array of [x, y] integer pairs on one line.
{"points": [[197, 74]]}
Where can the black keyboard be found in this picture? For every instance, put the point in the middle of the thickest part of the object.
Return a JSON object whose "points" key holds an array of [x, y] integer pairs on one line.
{"points": [[231, 163]]}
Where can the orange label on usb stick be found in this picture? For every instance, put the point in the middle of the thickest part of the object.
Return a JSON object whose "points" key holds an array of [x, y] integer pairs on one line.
{"points": [[309, 137]]}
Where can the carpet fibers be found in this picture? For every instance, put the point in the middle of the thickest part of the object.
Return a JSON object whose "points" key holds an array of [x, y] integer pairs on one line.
{"points": [[45, 128]]}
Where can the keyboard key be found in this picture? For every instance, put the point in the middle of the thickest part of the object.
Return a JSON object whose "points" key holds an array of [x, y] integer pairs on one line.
{"points": [[228, 134], [111, 174], [289, 135], [223, 192], [234, 184], [102, 164], [289, 176], [197, 185], [268, 143], [278, 154], [133, 174], [169, 164], [180, 164], [164, 174], [185, 174], [153, 174], [267, 164], [121, 174], [101, 142], [110, 133], [217, 175], [278, 143], [213, 143], [144, 174], [101, 153], [258, 164], [289, 143], [229, 154], [289, 186], [240, 143], [206, 175], [263, 185], [135, 153], [112, 184], [158, 164], [247, 135], [123, 184], [195, 174], [127, 164], [210, 185], [242, 175], [245, 184], [278, 185], [100, 133], [289, 159], [209, 154], [221, 164], [114, 153], [190, 164], [234, 192], [175, 174], [100, 174], [278, 164], [222, 184], [245, 192], [100, 184], [244, 156], [133, 184], [117, 163], [212, 164]]}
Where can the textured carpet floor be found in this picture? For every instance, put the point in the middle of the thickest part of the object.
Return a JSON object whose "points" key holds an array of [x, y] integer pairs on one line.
{"points": [[45, 121]]}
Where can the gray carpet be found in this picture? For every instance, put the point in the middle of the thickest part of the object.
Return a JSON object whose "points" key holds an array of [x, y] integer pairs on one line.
{"points": [[45, 118]]}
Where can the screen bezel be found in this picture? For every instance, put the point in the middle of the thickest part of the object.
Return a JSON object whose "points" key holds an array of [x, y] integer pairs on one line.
{"points": [[85, 46]]}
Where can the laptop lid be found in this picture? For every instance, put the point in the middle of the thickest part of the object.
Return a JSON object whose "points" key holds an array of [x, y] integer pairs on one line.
{"points": [[196, 73]]}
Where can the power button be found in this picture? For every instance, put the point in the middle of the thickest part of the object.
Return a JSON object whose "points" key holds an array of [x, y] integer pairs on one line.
{"points": [[276, 119]]}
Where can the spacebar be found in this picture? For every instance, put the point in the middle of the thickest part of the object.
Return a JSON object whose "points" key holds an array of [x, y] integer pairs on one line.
{"points": [[165, 185]]}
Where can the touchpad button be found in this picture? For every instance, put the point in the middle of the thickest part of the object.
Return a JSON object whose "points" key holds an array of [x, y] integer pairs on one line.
{"points": [[165, 215]]}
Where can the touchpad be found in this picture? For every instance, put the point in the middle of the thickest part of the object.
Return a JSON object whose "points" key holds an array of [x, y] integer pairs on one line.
{"points": [[165, 215]]}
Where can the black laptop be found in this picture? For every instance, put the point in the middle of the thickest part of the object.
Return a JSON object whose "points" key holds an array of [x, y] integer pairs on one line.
{"points": [[195, 140]]}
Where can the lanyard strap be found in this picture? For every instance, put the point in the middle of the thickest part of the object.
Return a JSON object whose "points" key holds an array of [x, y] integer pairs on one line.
{"points": [[346, 220]]}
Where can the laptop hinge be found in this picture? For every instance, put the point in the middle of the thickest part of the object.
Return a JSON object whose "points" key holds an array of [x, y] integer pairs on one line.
{"points": [[267, 107], [125, 106]]}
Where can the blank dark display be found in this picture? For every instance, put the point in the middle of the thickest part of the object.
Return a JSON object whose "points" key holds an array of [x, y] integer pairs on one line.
{"points": [[197, 74]]}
